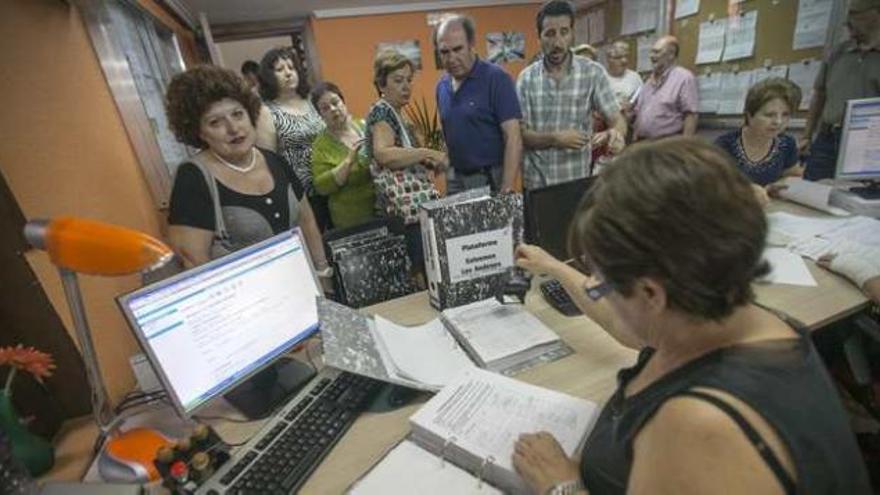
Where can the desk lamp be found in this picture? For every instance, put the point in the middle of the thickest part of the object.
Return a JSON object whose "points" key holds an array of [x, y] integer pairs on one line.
{"points": [[77, 245]]}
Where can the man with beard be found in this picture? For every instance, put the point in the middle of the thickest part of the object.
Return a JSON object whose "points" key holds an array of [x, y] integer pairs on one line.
{"points": [[558, 94], [668, 103], [852, 71]]}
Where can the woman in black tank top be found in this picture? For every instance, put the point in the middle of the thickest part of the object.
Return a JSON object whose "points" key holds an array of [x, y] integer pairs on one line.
{"points": [[726, 396]]}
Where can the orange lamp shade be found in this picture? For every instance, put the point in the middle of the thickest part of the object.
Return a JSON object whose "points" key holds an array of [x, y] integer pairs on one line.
{"points": [[97, 248]]}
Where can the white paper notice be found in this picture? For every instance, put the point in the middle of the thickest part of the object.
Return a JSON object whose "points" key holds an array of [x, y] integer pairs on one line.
{"points": [[804, 75], [684, 8], [787, 268], [709, 88], [711, 41], [734, 87], [740, 39], [759, 75], [639, 16], [478, 255], [813, 21], [643, 61]]}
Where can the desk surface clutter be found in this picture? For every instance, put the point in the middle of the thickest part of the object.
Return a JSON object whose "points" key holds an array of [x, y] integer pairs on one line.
{"points": [[588, 373]]}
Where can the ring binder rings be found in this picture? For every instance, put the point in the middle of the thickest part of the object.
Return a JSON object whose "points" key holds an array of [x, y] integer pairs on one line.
{"points": [[486, 463], [449, 441]]}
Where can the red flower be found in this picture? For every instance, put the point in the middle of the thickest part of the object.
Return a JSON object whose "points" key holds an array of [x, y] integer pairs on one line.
{"points": [[37, 363]]}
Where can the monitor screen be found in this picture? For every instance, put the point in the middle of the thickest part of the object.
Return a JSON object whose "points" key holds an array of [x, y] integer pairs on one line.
{"points": [[859, 156], [210, 328], [549, 211]]}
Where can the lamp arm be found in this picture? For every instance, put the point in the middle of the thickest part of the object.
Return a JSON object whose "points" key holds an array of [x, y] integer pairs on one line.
{"points": [[100, 405]]}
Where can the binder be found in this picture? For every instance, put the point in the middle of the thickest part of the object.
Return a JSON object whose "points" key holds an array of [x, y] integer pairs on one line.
{"points": [[467, 432], [469, 240]]}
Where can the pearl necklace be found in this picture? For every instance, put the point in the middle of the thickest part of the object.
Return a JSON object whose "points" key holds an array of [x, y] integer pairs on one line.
{"points": [[242, 170]]}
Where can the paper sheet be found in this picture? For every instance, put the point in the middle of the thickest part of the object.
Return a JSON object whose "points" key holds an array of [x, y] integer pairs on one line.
{"points": [[787, 268], [859, 229], [709, 88], [812, 194], [734, 87], [804, 75], [639, 16], [739, 42], [763, 73], [487, 412], [710, 45], [425, 353], [643, 58], [785, 228], [495, 330], [684, 8], [813, 21], [419, 471]]}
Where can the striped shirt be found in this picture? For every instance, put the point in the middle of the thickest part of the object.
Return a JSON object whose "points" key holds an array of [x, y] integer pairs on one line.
{"points": [[549, 105]]}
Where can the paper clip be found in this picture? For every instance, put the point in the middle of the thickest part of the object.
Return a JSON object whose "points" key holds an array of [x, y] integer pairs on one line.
{"points": [[486, 462], [446, 445]]}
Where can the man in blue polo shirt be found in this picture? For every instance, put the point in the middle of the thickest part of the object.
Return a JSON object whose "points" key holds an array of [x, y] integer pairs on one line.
{"points": [[479, 110]]}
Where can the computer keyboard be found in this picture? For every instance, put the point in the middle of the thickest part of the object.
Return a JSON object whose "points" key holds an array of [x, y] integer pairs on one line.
{"points": [[286, 451], [554, 293]]}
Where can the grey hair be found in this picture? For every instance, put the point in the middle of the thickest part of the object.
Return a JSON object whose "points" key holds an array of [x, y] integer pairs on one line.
{"points": [[466, 23]]}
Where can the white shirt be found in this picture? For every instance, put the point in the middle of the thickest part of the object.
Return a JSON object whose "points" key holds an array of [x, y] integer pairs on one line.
{"points": [[625, 86]]}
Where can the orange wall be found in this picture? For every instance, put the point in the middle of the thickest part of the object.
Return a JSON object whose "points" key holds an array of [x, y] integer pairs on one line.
{"points": [[346, 47], [65, 151]]}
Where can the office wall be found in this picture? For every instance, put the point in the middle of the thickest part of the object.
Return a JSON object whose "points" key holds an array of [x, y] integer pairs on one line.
{"points": [[347, 45], [236, 52], [65, 152]]}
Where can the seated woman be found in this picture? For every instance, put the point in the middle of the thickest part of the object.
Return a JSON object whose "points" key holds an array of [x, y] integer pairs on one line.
{"points": [[760, 147], [340, 170], [725, 396], [230, 194], [402, 171]]}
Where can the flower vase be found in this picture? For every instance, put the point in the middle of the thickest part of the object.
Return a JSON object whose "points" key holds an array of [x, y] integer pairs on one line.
{"points": [[31, 450]]}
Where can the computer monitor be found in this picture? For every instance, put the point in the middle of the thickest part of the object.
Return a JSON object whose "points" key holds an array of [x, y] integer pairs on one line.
{"points": [[859, 156], [549, 212], [208, 330]]}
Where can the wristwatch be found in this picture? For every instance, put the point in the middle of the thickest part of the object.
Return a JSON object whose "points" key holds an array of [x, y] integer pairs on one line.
{"points": [[570, 487]]}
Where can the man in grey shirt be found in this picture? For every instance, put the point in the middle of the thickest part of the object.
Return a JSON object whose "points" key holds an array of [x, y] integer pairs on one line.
{"points": [[852, 71]]}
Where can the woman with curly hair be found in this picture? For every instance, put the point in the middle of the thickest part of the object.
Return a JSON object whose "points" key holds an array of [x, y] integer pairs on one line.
{"points": [[230, 194], [292, 123]]}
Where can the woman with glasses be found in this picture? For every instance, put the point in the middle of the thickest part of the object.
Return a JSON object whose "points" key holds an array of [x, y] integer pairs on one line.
{"points": [[726, 396]]}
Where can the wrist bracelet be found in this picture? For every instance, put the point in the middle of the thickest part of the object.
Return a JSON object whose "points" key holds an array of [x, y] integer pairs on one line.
{"points": [[570, 487]]}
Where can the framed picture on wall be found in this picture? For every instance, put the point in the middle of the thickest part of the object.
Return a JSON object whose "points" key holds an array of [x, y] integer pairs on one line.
{"points": [[505, 47], [408, 48]]}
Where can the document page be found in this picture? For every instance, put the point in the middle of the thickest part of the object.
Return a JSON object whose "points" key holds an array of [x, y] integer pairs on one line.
{"points": [[496, 330], [739, 42], [812, 194], [485, 413], [786, 228], [710, 44], [425, 353], [787, 267], [419, 471]]}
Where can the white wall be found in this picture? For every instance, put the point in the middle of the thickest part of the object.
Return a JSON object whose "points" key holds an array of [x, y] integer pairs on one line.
{"points": [[234, 53]]}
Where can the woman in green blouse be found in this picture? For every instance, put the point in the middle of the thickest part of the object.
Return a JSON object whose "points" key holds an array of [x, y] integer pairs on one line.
{"points": [[340, 169]]}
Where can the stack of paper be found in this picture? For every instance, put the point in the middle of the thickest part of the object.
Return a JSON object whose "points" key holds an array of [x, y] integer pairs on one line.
{"points": [[812, 194]]}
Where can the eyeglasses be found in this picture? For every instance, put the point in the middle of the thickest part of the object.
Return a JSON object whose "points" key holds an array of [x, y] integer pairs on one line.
{"points": [[598, 291]]}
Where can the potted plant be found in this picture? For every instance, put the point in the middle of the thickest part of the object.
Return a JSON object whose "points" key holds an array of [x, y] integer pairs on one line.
{"points": [[426, 124], [31, 450]]}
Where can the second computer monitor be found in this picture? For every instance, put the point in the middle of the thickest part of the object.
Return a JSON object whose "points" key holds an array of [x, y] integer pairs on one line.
{"points": [[209, 329], [549, 212], [859, 156]]}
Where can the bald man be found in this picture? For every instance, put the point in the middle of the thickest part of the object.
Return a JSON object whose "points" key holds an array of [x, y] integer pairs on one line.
{"points": [[668, 103]]}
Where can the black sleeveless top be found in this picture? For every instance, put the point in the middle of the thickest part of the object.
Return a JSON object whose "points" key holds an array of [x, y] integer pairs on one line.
{"points": [[783, 380]]}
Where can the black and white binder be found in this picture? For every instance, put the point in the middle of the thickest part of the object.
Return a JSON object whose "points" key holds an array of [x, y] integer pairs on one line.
{"points": [[469, 240]]}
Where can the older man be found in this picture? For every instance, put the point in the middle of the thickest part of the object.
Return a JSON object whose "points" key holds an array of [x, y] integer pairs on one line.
{"points": [[852, 71], [479, 111], [558, 95], [625, 83], [667, 104]]}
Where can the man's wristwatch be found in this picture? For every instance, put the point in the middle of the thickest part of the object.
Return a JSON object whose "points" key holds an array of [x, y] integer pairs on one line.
{"points": [[570, 487]]}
